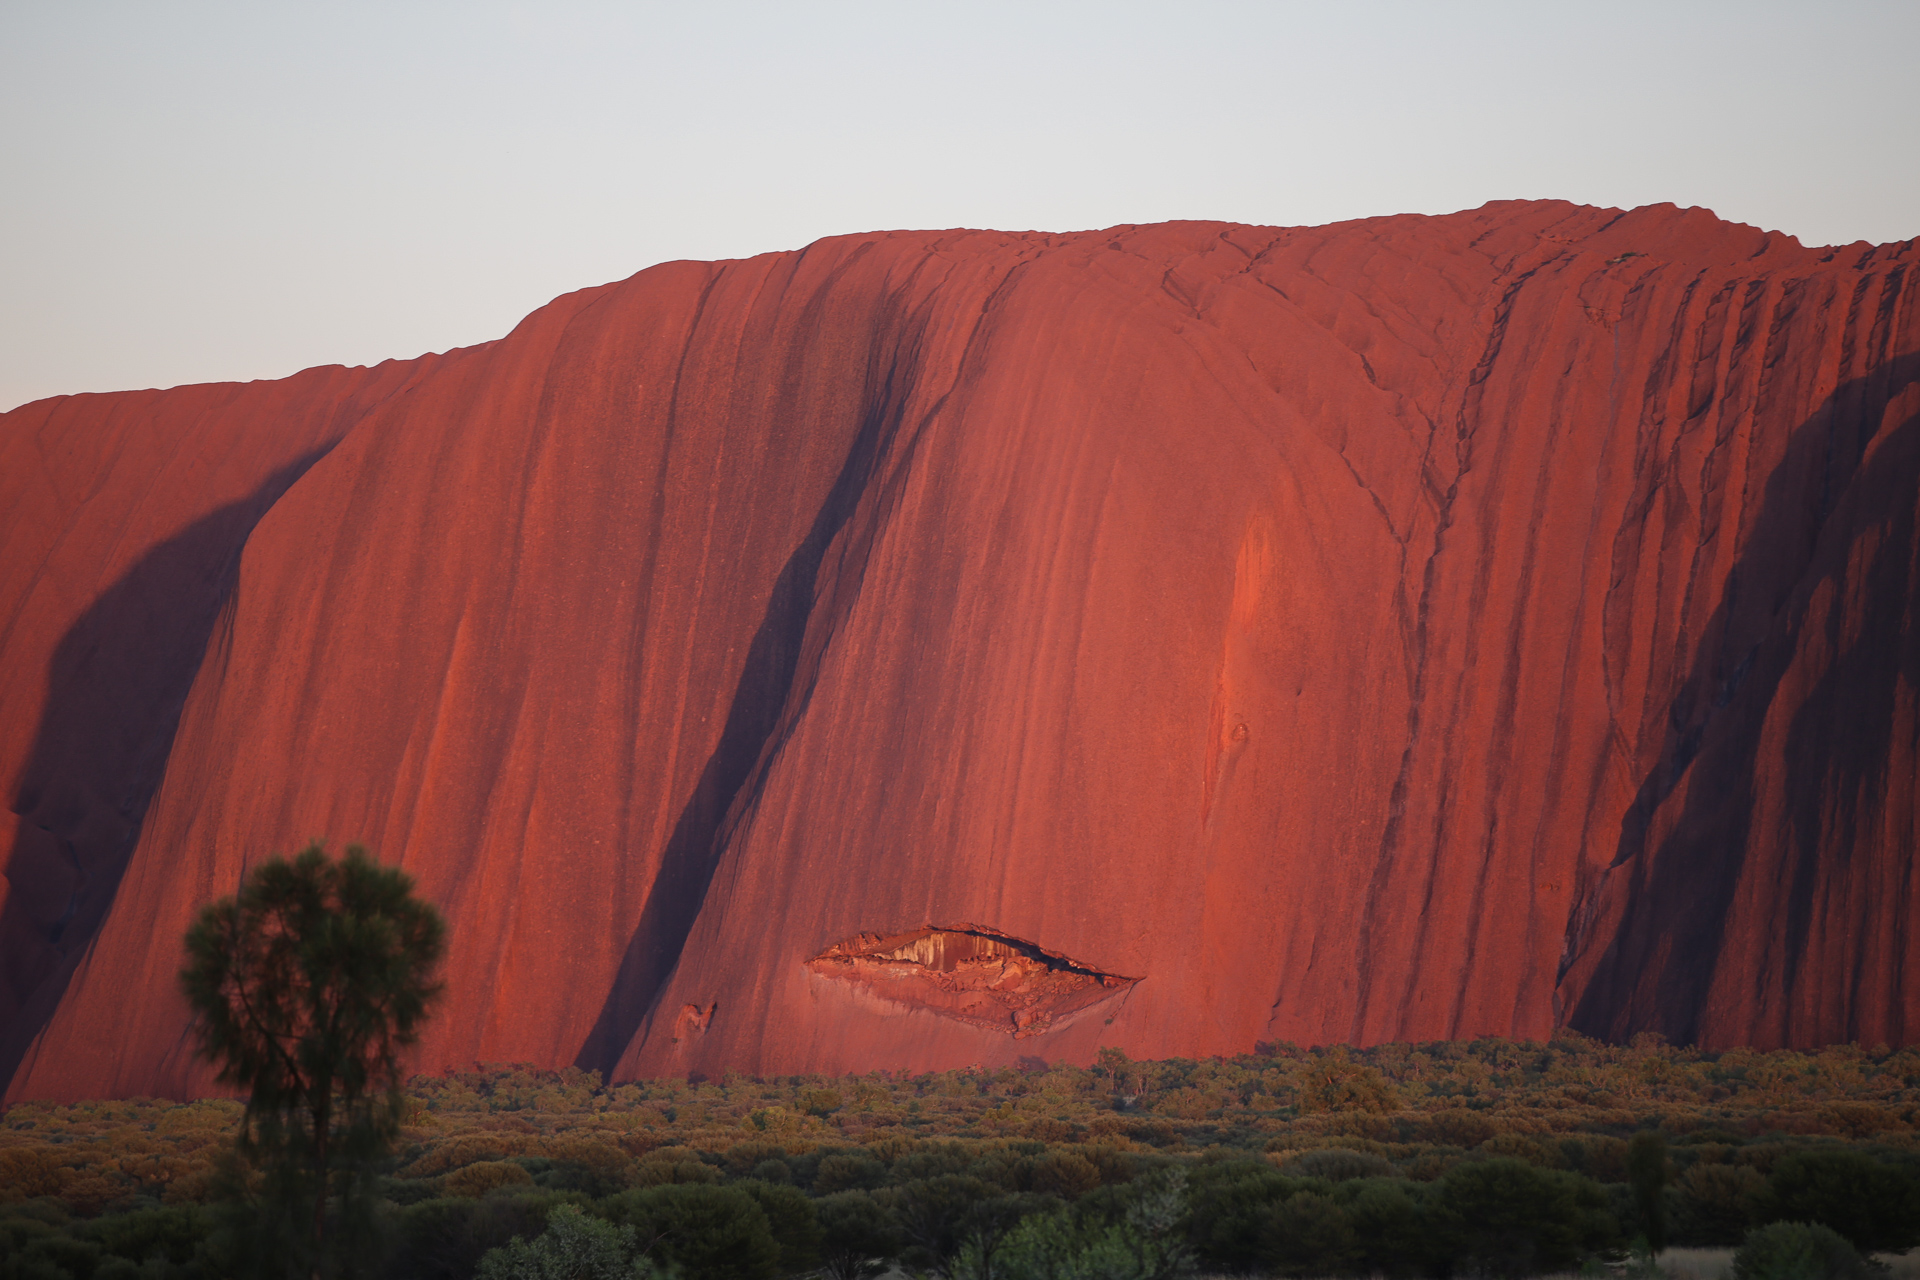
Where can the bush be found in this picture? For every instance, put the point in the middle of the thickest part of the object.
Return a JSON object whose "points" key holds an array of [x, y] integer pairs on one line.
{"points": [[931, 1161], [1338, 1164], [661, 1173], [476, 1179], [56, 1255], [22, 1240], [792, 1219], [934, 1213], [773, 1171], [444, 1239], [857, 1236], [1388, 1223], [1874, 1205], [1718, 1204], [1336, 1083], [169, 1235], [573, 1247], [1602, 1158], [709, 1232], [29, 1172], [1231, 1204], [466, 1149], [1458, 1127], [1054, 1246], [1647, 1172], [586, 1165], [1066, 1174], [1308, 1235], [843, 1172], [1142, 1242], [1505, 1218], [1798, 1251]]}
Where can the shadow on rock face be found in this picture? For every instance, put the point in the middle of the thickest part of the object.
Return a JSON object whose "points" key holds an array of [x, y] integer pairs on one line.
{"points": [[1825, 502], [774, 687], [115, 690]]}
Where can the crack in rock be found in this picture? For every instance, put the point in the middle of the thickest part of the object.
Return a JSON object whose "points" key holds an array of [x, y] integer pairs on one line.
{"points": [[971, 974]]}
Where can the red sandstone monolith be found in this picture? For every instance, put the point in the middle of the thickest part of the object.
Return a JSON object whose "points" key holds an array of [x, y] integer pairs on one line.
{"points": [[948, 647]]}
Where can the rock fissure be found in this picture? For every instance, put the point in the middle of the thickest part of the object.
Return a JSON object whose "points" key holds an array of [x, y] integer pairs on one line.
{"points": [[971, 974]]}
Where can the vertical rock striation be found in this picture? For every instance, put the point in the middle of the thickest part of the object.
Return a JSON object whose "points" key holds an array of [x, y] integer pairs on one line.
{"points": [[1411, 628]]}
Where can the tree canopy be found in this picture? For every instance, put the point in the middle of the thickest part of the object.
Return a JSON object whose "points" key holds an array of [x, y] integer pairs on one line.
{"points": [[307, 986]]}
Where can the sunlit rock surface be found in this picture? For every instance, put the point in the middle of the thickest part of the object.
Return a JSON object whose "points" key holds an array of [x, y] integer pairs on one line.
{"points": [[1410, 628]]}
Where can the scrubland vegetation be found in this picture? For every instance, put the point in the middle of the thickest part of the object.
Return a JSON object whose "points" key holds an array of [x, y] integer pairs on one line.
{"points": [[1490, 1157]]}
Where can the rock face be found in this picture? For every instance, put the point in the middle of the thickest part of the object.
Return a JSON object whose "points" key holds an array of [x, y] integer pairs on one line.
{"points": [[1411, 628]]}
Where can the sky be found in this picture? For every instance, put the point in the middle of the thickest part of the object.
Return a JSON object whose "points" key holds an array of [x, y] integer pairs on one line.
{"points": [[195, 192]]}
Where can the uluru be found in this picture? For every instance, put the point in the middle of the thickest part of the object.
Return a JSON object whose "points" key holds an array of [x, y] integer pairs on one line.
{"points": [[935, 648]]}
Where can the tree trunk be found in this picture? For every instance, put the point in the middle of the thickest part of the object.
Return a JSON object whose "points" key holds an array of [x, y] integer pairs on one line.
{"points": [[322, 1122]]}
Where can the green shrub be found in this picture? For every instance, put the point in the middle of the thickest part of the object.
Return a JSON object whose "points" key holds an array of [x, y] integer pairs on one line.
{"points": [[1230, 1206], [57, 1253], [1056, 1246], [1603, 1158], [17, 1233], [1798, 1251], [1389, 1224], [661, 1173], [1066, 1174], [24, 1246], [52, 1213], [773, 1171], [843, 1171], [743, 1157], [1458, 1127], [1336, 1083], [435, 1239], [475, 1180], [1647, 1173], [444, 1239], [933, 1213], [573, 1247], [792, 1219], [1142, 1242], [857, 1236], [1718, 1204], [1308, 1234], [171, 1234], [1506, 1218], [929, 1160], [1873, 1204], [708, 1232], [1338, 1164]]}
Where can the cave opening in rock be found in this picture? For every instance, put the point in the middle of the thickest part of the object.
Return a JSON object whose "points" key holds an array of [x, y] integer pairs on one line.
{"points": [[972, 974]]}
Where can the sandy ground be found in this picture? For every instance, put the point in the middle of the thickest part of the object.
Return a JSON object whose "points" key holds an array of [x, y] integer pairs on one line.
{"points": [[1717, 1264]]}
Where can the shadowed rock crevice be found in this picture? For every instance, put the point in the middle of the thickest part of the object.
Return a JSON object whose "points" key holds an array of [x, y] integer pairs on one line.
{"points": [[760, 706], [115, 690], [1659, 965]]}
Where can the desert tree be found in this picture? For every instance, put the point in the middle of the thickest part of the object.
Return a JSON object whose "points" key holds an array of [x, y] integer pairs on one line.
{"points": [[307, 985], [1647, 1174]]}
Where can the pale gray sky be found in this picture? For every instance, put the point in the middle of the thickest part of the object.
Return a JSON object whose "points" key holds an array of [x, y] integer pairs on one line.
{"points": [[196, 191]]}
